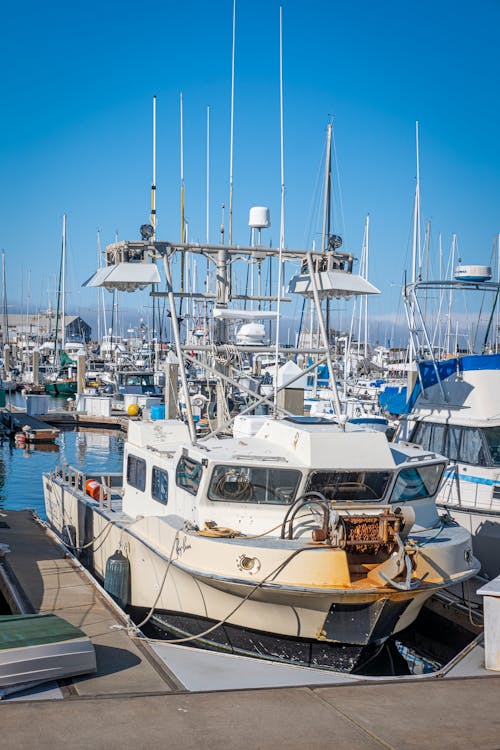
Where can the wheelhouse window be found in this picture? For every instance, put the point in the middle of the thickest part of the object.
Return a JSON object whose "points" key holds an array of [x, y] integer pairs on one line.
{"points": [[254, 484], [159, 485], [136, 472], [188, 474], [350, 486], [417, 482], [463, 444], [492, 435]]}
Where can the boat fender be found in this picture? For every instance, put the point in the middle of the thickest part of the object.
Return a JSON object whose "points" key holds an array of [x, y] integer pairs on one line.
{"points": [[93, 489], [117, 578], [68, 535]]}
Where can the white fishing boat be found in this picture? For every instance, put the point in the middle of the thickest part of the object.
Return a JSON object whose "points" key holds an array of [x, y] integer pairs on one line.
{"points": [[301, 538]]}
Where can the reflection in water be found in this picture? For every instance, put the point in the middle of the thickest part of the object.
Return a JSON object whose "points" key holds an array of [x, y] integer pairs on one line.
{"points": [[21, 469]]}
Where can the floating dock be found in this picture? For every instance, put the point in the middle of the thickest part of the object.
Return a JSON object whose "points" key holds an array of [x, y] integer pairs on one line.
{"points": [[150, 693], [33, 429], [47, 426]]}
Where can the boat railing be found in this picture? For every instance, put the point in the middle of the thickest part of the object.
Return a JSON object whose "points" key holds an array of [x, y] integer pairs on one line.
{"points": [[110, 483]]}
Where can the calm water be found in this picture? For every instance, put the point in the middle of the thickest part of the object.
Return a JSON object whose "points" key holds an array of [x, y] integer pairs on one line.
{"points": [[21, 469]]}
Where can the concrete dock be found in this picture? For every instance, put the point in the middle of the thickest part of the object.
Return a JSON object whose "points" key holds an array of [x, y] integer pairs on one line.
{"points": [[147, 693]]}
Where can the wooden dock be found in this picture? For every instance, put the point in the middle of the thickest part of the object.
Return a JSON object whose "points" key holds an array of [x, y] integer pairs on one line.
{"points": [[32, 428], [47, 426]]}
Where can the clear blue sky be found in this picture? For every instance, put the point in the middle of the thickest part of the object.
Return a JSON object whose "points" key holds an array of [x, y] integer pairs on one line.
{"points": [[75, 132]]}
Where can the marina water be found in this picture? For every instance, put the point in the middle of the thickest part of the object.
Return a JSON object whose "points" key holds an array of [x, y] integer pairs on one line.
{"points": [[21, 468]]}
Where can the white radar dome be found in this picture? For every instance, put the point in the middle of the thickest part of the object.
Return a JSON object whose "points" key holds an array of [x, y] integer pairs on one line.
{"points": [[473, 273], [259, 217]]}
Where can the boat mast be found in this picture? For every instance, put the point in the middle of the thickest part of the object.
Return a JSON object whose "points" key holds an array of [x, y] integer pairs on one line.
{"points": [[153, 207], [99, 290], [416, 216], [183, 227], [327, 191], [153, 184], [367, 239], [450, 297], [5, 318], [63, 284], [282, 222], [232, 130]]}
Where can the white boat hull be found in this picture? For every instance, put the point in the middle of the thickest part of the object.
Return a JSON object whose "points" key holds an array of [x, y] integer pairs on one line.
{"points": [[205, 578]]}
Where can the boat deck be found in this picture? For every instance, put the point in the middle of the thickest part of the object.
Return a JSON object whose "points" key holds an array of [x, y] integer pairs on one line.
{"points": [[148, 692]]}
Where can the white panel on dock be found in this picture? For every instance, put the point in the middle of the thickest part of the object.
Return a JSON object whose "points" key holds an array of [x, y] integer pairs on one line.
{"points": [[38, 404], [491, 608], [97, 406], [209, 670]]}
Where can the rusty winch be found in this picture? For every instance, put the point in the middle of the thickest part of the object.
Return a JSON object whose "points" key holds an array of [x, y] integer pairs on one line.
{"points": [[361, 533]]}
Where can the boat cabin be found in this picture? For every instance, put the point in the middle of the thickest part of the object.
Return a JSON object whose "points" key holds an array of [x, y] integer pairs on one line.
{"points": [[248, 483]]}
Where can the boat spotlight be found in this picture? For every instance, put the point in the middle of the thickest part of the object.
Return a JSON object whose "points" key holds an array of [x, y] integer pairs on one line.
{"points": [[147, 231], [334, 242]]}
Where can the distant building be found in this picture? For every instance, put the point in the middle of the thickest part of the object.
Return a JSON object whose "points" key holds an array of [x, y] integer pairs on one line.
{"points": [[40, 328]]}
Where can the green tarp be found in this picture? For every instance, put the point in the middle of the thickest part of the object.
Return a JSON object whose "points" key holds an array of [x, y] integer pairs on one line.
{"points": [[18, 631]]}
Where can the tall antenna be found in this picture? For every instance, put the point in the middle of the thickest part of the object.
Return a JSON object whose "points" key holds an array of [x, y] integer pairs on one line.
{"points": [[153, 185], [416, 257], [99, 289], [183, 227], [232, 131], [282, 219], [207, 232]]}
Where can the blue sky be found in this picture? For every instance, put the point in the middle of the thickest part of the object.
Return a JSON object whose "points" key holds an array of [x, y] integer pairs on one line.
{"points": [[75, 132]]}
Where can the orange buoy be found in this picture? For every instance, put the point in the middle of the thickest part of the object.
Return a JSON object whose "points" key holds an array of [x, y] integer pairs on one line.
{"points": [[93, 489]]}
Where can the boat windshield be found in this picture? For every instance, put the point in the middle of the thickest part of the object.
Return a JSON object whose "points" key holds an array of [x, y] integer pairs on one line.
{"points": [[349, 486], [416, 482], [138, 379], [492, 435], [254, 484]]}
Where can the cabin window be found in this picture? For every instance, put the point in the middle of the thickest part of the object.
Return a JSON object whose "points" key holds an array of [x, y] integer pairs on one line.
{"points": [[421, 434], [457, 443], [159, 485], [492, 435], [452, 442], [254, 484], [136, 472], [430, 436], [471, 447], [188, 475], [416, 482], [349, 486], [436, 442]]}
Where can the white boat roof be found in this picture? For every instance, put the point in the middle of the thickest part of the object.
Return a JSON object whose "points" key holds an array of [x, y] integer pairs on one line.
{"points": [[283, 441]]}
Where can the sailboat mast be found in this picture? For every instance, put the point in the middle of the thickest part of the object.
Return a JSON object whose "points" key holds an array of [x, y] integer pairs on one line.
{"points": [[99, 290], [328, 181], [5, 318], [367, 240], [63, 282]]}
